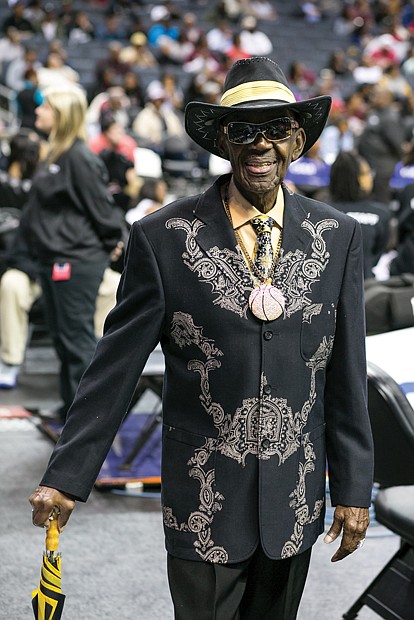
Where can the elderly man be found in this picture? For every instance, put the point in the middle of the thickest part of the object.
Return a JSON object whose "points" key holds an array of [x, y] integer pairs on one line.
{"points": [[255, 295]]}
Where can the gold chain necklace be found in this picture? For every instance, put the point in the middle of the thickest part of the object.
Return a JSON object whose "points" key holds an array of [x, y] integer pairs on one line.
{"points": [[250, 262], [266, 301]]}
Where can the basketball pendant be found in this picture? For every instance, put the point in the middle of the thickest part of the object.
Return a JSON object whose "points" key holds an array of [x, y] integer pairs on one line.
{"points": [[266, 302]]}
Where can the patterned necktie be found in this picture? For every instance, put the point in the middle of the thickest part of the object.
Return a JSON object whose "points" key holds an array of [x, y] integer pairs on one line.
{"points": [[263, 250]]}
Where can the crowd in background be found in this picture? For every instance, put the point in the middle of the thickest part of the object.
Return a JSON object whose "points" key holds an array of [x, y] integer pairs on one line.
{"points": [[154, 58]]}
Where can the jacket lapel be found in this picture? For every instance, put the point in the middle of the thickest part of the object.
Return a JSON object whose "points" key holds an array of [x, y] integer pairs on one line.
{"points": [[218, 231], [295, 237]]}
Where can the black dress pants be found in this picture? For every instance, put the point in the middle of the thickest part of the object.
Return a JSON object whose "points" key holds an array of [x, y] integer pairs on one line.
{"points": [[257, 589], [70, 309]]}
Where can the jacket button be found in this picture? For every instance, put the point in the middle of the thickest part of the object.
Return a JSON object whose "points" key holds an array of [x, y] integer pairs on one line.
{"points": [[265, 443], [268, 335], [267, 389]]}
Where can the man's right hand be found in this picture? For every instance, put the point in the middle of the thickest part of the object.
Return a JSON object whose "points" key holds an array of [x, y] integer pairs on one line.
{"points": [[44, 501]]}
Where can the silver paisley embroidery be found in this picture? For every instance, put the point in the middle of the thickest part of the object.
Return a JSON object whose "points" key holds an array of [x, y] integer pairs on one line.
{"points": [[298, 502], [226, 272], [222, 269], [240, 435], [296, 272]]}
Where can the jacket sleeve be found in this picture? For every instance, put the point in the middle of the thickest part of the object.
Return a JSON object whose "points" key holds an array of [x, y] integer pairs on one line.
{"points": [[90, 191], [132, 330], [348, 431]]}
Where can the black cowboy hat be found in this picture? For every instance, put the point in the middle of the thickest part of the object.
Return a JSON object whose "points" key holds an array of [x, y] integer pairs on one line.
{"points": [[254, 84]]}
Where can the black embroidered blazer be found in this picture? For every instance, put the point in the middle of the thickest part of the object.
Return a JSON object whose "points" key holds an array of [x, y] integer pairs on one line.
{"points": [[252, 410]]}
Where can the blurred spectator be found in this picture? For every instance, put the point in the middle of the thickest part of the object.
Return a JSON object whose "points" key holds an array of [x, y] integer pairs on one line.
{"points": [[17, 20], [393, 80], [203, 86], [356, 110], [71, 226], [15, 298], [34, 12], [220, 37], [311, 11], [394, 41], [152, 197], [66, 16], [124, 184], [254, 41], [112, 29], [11, 49], [229, 10], [55, 72], [383, 9], [14, 77], [156, 122], [351, 183], [112, 137], [354, 21], [403, 174], [403, 262], [336, 136], [169, 8], [137, 55], [407, 14], [135, 22], [407, 66], [19, 290], [309, 175], [133, 91], [301, 80], [381, 52], [191, 27], [327, 84], [113, 100], [174, 96], [260, 9], [81, 30], [236, 51], [174, 51], [28, 98], [22, 161], [381, 142], [202, 60], [368, 71], [49, 26], [110, 69], [344, 23], [162, 26], [340, 64], [56, 46]]}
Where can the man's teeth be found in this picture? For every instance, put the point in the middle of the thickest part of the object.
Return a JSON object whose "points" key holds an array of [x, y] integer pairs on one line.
{"points": [[262, 164]]}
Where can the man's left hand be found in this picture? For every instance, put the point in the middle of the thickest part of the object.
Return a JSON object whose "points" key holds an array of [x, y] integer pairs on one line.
{"points": [[353, 522]]}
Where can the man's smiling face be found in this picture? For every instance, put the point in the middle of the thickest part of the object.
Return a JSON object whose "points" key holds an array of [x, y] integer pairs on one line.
{"points": [[260, 167]]}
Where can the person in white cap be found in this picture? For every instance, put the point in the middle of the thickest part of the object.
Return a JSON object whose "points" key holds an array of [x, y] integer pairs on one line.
{"points": [[253, 40], [156, 121]]}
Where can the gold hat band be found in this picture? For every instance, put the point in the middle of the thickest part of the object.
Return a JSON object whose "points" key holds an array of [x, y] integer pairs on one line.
{"points": [[252, 91]]}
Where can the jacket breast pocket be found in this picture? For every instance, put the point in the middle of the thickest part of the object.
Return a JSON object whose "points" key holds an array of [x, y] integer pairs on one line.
{"points": [[318, 322]]}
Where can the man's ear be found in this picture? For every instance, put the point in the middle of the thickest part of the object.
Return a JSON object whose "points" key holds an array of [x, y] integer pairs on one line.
{"points": [[300, 139]]}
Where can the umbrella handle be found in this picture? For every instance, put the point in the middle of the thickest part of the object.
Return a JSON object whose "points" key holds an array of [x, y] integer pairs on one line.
{"points": [[52, 534]]}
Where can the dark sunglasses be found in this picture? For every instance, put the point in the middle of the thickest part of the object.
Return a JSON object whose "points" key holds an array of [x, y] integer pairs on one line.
{"points": [[274, 131]]}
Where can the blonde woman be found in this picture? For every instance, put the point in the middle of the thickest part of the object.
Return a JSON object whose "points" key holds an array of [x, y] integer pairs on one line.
{"points": [[72, 226]]}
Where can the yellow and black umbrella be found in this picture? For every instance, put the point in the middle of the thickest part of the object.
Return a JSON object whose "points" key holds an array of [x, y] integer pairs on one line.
{"points": [[47, 600]]}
